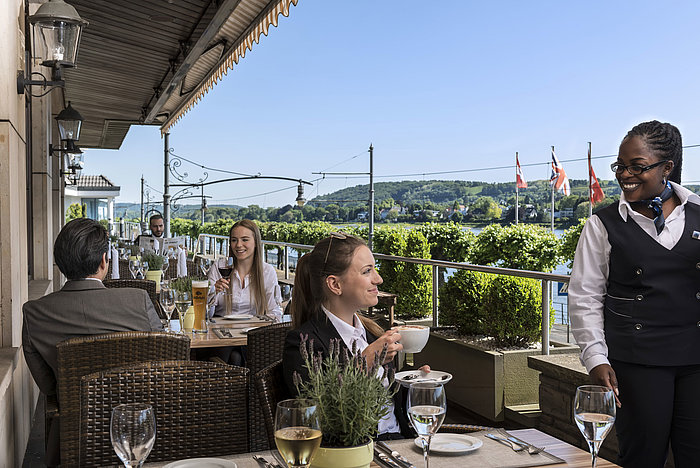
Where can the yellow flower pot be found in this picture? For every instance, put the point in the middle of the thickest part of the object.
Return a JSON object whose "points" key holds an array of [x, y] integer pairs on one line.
{"points": [[155, 275], [359, 456]]}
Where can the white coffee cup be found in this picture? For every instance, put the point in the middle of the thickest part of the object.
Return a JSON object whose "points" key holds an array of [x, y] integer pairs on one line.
{"points": [[413, 337]]}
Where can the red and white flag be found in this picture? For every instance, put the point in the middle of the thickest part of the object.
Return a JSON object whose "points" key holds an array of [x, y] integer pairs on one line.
{"points": [[519, 177], [559, 181], [595, 192]]}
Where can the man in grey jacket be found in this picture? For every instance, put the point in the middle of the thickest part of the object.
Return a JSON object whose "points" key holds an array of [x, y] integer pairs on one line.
{"points": [[82, 307]]}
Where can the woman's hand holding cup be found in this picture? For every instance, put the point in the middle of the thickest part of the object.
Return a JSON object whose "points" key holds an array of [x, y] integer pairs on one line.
{"points": [[391, 339]]}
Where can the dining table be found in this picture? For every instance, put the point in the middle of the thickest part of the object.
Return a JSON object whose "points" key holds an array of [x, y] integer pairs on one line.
{"points": [[558, 454], [223, 332]]}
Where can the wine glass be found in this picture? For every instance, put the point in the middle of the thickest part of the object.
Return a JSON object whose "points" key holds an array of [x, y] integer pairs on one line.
{"points": [[225, 266], [134, 267], [167, 301], [164, 267], [204, 265], [133, 432], [297, 431], [594, 413], [183, 301], [426, 410], [144, 269]]}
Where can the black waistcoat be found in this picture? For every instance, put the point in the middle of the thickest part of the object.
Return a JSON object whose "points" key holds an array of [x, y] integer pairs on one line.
{"points": [[652, 307]]}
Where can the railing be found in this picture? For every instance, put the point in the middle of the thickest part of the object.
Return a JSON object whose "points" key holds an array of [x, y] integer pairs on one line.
{"points": [[221, 243]]}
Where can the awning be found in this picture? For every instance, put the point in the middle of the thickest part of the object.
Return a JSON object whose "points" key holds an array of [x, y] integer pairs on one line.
{"points": [[151, 62]]}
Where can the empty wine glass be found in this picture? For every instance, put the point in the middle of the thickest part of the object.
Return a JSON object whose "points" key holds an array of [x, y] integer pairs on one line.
{"points": [[297, 431], [134, 267], [426, 410], [594, 413], [133, 432], [183, 301], [144, 269], [167, 301], [204, 265], [164, 267]]}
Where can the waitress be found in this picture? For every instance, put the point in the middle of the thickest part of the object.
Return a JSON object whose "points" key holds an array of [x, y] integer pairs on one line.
{"points": [[634, 301]]}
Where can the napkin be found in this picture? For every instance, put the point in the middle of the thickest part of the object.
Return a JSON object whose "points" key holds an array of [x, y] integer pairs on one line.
{"points": [[156, 245], [181, 262], [115, 263]]}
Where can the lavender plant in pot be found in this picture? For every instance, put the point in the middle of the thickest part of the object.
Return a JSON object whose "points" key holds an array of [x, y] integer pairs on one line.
{"points": [[350, 400]]}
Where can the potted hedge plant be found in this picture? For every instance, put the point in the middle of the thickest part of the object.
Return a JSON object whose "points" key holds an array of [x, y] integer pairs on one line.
{"points": [[350, 400]]}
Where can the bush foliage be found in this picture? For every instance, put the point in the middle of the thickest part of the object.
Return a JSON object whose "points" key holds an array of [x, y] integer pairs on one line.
{"points": [[460, 301]]}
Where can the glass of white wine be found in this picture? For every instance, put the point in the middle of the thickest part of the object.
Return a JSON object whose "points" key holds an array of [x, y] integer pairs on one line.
{"points": [[167, 301], [594, 413], [426, 407], [183, 301], [297, 432], [133, 432]]}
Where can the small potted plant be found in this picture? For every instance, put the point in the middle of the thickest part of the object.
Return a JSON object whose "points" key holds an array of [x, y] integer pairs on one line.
{"points": [[155, 267], [350, 400]]}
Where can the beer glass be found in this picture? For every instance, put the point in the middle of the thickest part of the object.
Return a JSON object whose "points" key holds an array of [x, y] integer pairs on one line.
{"points": [[199, 301]]}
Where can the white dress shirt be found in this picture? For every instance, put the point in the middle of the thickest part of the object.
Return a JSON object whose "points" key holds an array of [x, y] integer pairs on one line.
{"points": [[243, 303], [589, 275], [357, 334]]}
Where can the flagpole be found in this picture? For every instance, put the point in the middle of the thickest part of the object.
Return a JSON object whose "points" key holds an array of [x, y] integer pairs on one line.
{"points": [[552, 185], [516, 187], [590, 188]]}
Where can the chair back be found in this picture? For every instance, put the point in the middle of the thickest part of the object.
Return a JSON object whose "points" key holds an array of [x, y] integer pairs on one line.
{"points": [[205, 419], [269, 385], [124, 272], [87, 354], [265, 346], [147, 285]]}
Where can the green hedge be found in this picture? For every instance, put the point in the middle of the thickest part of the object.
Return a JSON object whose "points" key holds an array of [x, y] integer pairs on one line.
{"points": [[460, 301]]}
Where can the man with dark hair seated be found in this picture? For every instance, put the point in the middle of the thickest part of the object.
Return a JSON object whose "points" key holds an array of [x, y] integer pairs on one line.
{"points": [[82, 307]]}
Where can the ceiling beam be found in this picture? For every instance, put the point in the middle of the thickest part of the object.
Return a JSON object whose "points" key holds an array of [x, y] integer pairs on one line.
{"points": [[222, 14]]}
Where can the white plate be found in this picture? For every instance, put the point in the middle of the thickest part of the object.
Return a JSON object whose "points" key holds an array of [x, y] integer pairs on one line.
{"points": [[451, 443], [202, 463], [238, 317], [406, 378]]}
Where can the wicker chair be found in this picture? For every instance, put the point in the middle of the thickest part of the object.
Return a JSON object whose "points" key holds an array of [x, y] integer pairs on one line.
{"points": [[124, 272], [463, 428], [83, 355], [147, 285], [269, 384], [207, 418], [265, 346]]}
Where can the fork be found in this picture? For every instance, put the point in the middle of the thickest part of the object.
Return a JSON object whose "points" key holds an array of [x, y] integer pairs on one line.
{"points": [[264, 462], [516, 446], [531, 449]]}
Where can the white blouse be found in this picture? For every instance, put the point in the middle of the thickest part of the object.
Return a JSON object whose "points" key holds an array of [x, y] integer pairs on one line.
{"points": [[243, 303]]}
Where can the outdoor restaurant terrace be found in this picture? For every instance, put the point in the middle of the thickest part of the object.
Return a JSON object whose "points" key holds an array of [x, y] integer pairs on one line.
{"points": [[149, 63]]}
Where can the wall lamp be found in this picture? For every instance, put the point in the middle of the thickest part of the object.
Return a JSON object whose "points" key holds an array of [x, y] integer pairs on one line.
{"points": [[69, 123], [56, 35]]}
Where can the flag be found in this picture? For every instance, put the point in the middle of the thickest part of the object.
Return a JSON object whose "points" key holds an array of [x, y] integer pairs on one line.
{"points": [[596, 193], [519, 178], [559, 181]]}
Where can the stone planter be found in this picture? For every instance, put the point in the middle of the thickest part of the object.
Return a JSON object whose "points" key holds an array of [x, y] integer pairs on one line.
{"points": [[344, 457], [484, 381]]}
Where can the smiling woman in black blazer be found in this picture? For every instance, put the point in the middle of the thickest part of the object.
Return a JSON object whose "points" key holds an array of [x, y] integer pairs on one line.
{"points": [[332, 283]]}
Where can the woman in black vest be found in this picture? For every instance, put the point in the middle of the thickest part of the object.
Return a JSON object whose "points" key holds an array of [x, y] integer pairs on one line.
{"points": [[634, 301]]}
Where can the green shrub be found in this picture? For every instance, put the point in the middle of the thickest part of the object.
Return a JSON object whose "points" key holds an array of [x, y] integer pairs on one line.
{"points": [[520, 246], [460, 301], [569, 241], [511, 311]]}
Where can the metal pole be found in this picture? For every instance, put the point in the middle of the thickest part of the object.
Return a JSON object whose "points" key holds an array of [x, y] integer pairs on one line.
{"points": [[545, 317], [142, 210], [371, 196], [286, 262], [552, 185], [436, 272], [166, 185], [590, 189], [202, 205], [516, 187]]}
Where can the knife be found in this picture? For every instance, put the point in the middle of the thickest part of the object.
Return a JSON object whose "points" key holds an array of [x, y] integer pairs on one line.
{"points": [[386, 459], [395, 455]]}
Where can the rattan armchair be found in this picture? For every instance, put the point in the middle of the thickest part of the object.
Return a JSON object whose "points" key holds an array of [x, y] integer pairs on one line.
{"points": [[270, 387], [147, 285], [206, 419], [84, 355], [463, 428], [265, 346]]}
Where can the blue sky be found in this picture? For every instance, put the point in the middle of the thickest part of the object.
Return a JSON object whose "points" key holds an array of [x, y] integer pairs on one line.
{"points": [[434, 86]]}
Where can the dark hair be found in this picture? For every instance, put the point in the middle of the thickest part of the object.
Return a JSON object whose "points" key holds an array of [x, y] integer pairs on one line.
{"points": [[155, 216], [79, 248], [665, 140], [330, 256]]}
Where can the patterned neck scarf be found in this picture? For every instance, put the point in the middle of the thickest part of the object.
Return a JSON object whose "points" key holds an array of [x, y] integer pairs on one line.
{"points": [[656, 204]]}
